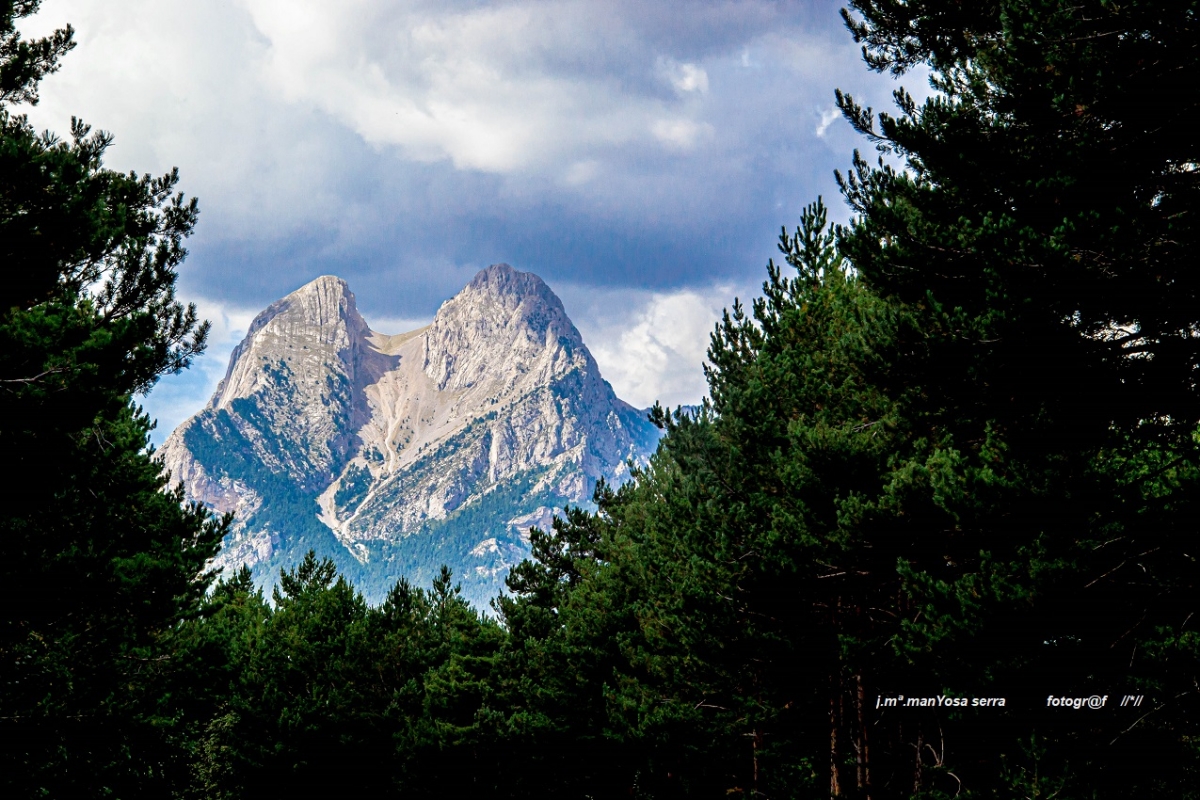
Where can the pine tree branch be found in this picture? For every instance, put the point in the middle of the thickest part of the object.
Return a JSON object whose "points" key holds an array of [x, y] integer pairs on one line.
{"points": [[36, 378]]}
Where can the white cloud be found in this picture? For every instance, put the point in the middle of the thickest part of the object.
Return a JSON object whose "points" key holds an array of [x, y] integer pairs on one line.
{"points": [[649, 345], [492, 88], [681, 134], [405, 143], [684, 78], [176, 83], [828, 116], [279, 112]]}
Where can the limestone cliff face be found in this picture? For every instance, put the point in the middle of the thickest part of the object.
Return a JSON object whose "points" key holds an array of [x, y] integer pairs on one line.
{"points": [[447, 441]]}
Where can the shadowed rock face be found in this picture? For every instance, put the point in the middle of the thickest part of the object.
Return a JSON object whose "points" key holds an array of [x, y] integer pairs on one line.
{"points": [[440, 445]]}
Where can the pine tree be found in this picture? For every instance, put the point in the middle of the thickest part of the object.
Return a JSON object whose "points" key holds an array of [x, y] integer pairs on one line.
{"points": [[714, 601], [1040, 234], [772, 553], [99, 563], [955, 454], [548, 709]]}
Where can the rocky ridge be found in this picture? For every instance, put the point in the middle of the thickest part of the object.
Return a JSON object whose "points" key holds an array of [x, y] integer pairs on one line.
{"points": [[395, 454]]}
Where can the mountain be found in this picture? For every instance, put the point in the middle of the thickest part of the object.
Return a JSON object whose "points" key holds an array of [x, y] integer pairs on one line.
{"points": [[395, 454]]}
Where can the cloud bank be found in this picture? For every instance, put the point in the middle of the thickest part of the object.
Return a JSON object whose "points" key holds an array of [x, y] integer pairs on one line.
{"points": [[646, 152]]}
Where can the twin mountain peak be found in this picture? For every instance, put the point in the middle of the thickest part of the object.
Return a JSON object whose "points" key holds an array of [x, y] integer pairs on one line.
{"points": [[396, 454]]}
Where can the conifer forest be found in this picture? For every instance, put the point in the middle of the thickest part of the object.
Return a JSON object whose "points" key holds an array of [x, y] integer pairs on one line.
{"points": [[932, 534]]}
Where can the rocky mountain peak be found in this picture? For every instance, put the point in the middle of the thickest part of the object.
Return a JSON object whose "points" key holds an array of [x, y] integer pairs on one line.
{"points": [[317, 320], [325, 303], [502, 279], [402, 452], [504, 324]]}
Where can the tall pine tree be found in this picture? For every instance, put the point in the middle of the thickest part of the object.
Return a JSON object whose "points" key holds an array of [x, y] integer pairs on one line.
{"points": [[1041, 233], [964, 462], [97, 562]]}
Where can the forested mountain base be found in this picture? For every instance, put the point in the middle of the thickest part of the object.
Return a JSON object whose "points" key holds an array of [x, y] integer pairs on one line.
{"points": [[950, 456]]}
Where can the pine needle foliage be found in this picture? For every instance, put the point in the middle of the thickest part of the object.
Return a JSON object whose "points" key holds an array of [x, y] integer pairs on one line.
{"points": [[99, 562]]}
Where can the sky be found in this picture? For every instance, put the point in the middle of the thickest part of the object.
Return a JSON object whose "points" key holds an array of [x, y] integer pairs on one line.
{"points": [[641, 156]]}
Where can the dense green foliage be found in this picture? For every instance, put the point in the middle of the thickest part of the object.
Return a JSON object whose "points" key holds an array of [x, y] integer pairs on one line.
{"points": [[1041, 237], [964, 466], [97, 563], [316, 692], [952, 451]]}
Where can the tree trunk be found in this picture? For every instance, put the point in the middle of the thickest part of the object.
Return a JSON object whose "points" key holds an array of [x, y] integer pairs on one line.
{"points": [[835, 701], [860, 744]]}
